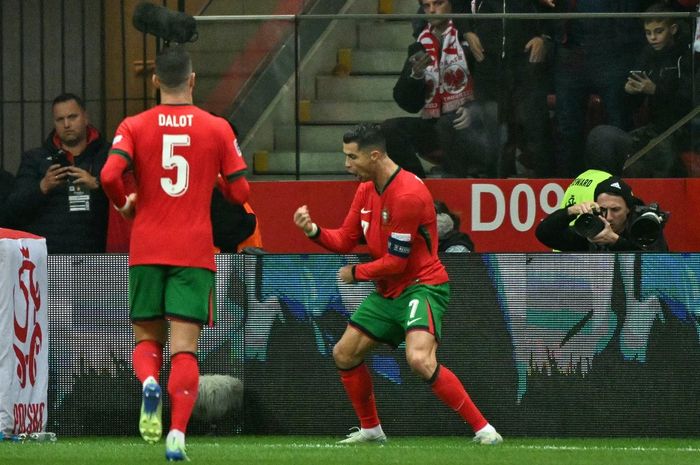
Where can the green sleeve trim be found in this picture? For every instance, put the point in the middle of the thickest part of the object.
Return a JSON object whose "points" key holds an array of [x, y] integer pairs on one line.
{"points": [[233, 176], [122, 154]]}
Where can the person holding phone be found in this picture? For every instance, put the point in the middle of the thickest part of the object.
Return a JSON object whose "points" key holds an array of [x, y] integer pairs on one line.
{"points": [[436, 83], [57, 192], [661, 81]]}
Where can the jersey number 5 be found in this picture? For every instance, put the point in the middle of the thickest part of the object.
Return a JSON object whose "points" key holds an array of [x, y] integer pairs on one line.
{"points": [[177, 162]]}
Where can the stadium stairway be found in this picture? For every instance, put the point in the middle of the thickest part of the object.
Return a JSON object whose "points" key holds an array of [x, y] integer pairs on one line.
{"points": [[347, 78]]}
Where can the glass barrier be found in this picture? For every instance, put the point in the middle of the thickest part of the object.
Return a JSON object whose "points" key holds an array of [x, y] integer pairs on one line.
{"points": [[519, 94], [531, 96]]}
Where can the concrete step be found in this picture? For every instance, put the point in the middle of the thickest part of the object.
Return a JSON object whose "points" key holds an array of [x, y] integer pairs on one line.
{"points": [[403, 7], [321, 138], [312, 163], [241, 7], [377, 61], [357, 88], [284, 162], [334, 112], [395, 35]]}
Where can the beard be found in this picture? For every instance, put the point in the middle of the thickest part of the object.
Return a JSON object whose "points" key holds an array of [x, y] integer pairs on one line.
{"points": [[71, 139]]}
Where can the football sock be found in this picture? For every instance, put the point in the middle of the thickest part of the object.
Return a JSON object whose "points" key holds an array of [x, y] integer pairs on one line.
{"points": [[358, 384], [450, 390], [374, 432], [183, 385], [147, 359]]}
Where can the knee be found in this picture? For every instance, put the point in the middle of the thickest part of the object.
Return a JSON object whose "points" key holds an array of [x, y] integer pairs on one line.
{"points": [[343, 357], [421, 363]]}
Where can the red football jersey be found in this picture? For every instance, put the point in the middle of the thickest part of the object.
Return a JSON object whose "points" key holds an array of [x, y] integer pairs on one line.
{"points": [[177, 152], [400, 228]]}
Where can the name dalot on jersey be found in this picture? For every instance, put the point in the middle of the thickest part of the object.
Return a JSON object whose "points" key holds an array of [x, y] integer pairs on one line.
{"points": [[174, 121]]}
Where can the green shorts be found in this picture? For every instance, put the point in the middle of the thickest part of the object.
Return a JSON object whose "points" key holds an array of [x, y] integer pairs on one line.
{"points": [[419, 307], [160, 291]]}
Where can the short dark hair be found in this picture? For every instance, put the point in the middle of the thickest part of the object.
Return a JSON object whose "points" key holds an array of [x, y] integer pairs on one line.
{"points": [[173, 66], [67, 97], [660, 8], [366, 135]]}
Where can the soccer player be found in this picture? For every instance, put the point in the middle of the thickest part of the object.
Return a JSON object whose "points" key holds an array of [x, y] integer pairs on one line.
{"points": [[178, 153], [394, 212]]}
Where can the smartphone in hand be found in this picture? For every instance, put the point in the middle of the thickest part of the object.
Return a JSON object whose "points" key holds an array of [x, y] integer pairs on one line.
{"points": [[60, 158]]}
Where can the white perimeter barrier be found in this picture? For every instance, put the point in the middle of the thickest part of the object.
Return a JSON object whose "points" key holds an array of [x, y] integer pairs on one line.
{"points": [[24, 338]]}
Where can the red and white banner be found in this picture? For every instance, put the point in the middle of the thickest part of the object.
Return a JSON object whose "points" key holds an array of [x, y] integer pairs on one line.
{"points": [[24, 338], [500, 215]]}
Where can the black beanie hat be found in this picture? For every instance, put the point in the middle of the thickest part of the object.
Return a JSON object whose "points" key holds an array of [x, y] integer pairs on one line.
{"points": [[615, 186]]}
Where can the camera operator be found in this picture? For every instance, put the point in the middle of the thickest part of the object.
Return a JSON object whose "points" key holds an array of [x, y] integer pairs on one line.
{"points": [[615, 221]]}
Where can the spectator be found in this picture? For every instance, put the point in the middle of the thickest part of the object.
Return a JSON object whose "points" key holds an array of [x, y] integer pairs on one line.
{"points": [[450, 238], [614, 210], [662, 82], [590, 56], [510, 83], [57, 192], [435, 81]]}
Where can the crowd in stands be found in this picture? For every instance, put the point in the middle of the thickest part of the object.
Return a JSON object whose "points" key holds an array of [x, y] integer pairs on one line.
{"points": [[57, 194], [484, 89], [494, 98]]}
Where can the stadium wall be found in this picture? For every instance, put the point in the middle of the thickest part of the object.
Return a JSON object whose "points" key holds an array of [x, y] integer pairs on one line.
{"points": [[546, 344], [500, 215]]}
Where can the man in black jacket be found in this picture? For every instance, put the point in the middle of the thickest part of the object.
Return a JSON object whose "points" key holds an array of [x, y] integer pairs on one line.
{"points": [[57, 191], [511, 82], [614, 211], [591, 56], [662, 79], [436, 83]]}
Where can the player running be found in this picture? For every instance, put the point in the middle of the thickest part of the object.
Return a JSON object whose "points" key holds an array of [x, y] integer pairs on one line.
{"points": [[177, 152]]}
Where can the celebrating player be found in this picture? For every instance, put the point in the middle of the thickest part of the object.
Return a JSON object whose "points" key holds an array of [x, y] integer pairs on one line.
{"points": [[394, 212], [177, 152]]}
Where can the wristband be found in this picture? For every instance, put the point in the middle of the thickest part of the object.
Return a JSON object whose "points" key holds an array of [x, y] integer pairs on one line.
{"points": [[127, 204], [314, 230]]}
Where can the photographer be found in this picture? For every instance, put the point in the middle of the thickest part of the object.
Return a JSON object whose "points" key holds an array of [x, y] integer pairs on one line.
{"points": [[617, 221]]}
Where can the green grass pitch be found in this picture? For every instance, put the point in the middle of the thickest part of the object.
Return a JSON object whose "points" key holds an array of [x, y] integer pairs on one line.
{"points": [[307, 450]]}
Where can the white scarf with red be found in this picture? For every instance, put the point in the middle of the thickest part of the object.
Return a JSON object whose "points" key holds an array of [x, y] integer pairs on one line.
{"points": [[448, 84]]}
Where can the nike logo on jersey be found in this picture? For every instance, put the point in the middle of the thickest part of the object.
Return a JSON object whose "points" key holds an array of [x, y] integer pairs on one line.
{"points": [[410, 322], [363, 211]]}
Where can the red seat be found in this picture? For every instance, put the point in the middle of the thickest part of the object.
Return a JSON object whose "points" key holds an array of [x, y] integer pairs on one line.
{"points": [[691, 161]]}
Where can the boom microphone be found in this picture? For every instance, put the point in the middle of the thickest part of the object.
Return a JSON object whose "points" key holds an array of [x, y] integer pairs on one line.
{"points": [[169, 25]]}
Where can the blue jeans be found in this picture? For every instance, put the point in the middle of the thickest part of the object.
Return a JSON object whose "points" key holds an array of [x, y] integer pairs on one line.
{"points": [[578, 74]]}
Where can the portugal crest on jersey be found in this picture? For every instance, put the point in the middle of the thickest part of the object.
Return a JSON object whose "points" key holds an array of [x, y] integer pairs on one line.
{"points": [[385, 216]]}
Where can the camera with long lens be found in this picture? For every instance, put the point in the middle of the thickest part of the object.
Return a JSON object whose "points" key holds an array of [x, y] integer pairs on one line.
{"points": [[647, 223], [589, 225]]}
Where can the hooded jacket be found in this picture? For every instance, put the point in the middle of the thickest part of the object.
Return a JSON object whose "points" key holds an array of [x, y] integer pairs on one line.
{"points": [[48, 215]]}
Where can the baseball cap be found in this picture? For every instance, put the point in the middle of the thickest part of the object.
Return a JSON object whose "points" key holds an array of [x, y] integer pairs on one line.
{"points": [[614, 185]]}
